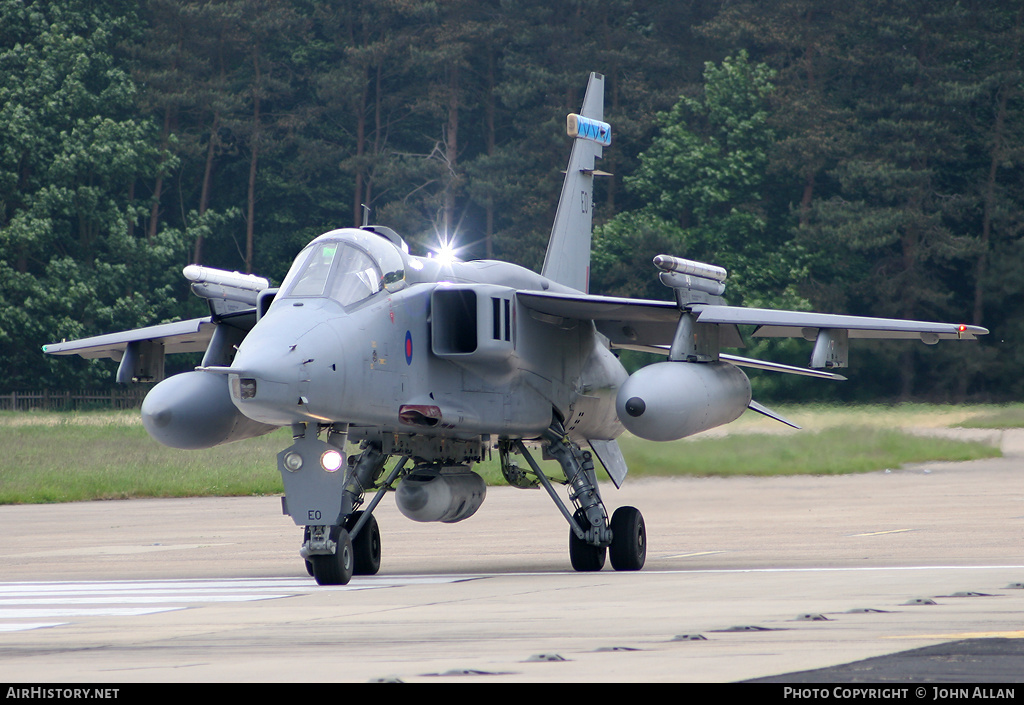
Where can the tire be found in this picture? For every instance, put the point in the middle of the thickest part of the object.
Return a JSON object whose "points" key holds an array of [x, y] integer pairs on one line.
{"points": [[335, 569], [309, 564], [584, 557], [366, 545], [628, 550]]}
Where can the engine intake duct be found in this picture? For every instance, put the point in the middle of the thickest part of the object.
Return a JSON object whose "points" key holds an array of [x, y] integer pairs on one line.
{"points": [[472, 323]]}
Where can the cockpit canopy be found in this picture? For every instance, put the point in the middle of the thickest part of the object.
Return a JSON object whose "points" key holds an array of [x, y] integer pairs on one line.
{"points": [[347, 266]]}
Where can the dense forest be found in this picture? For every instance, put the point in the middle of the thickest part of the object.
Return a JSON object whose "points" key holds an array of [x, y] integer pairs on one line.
{"points": [[854, 157]]}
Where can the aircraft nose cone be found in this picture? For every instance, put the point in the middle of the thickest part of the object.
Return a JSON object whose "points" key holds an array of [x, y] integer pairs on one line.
{"points": [[288, 369]]}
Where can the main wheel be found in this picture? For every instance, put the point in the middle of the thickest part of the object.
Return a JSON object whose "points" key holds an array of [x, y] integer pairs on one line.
{"points": [[629, 539], [583, 556], [335, 569], [366, 545]]}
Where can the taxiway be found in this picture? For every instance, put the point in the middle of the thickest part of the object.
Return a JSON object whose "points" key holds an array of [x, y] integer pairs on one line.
{"points": [[746, 578]]}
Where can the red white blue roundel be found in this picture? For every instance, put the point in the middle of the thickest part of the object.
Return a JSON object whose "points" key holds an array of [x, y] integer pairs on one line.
{"points": [[408, 347]]}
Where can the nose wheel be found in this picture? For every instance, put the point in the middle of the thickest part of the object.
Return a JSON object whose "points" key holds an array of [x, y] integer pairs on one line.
{"points": [[330, 567], [352, 556], [366, 544]]}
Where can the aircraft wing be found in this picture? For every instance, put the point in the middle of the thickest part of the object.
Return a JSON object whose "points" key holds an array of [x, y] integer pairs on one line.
{"points": [[801, 324], [180, 337], [232, 298], [625, 322], [650, 326], [593, 307], [662, 316]]}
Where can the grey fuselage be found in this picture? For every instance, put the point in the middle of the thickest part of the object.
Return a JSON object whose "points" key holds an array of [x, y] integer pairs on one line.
{"points": [[441, 350]]}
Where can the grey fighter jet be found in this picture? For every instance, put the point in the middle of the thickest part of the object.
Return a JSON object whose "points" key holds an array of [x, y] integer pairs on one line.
{"points": [[432, 365]]}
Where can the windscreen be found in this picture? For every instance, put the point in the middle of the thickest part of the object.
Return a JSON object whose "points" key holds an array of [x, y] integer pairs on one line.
{"points": [[347, 270], [354, 278], [311, 272]]}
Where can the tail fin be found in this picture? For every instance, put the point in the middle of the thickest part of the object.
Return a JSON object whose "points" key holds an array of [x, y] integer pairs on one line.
{"points": [[567, 260]]}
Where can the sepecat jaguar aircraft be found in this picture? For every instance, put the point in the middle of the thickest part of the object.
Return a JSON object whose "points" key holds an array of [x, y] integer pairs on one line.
{"points": [[431, 364]]}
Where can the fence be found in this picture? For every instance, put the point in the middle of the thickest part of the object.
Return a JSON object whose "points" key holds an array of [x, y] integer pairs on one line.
{"points": [[127, 398]]}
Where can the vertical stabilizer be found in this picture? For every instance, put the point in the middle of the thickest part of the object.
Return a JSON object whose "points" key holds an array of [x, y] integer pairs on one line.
{"points": [[567, 260]]}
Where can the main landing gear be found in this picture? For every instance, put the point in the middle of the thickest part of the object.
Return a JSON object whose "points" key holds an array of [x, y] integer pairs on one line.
{"points": [[591, 535]]}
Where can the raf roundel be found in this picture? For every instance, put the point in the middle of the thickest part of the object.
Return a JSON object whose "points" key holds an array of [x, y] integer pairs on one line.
{"points": [[408, 347]]}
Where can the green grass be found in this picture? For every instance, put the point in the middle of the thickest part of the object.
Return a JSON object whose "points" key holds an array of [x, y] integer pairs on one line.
{"points": [[831, 451], [821, 416], [1004, 416], [57, 458], [53, 457]]}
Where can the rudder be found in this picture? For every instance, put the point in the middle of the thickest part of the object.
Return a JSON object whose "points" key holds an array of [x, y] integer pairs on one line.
{"points": [[567, 260]]}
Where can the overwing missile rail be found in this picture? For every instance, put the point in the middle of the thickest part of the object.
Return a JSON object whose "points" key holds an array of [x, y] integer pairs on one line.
{"points": [[691, 281]]}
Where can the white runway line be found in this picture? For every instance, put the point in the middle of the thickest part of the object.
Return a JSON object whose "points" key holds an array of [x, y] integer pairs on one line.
{"points": [[24, 604], [27, 626], [29, 613]]}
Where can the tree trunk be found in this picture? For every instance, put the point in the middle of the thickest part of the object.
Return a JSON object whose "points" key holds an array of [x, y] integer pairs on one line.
{"points": [[489, 113], [253, 161], [451, 150], [154, 215], [204, 192], [357, 196]]}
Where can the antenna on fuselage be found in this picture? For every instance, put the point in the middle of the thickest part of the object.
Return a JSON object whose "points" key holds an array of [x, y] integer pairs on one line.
{"points": [[366, 214]]}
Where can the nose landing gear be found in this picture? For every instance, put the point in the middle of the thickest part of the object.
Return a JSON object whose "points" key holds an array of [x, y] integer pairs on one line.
{"points": [[329, 555]]}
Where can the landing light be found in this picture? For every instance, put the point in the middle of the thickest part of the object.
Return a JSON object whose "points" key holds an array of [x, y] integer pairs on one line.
{"points": [[331, 460], [293, 461]]}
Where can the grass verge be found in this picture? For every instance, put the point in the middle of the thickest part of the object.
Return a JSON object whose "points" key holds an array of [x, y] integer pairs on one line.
{"points": [[50, 457], [831, 451], [1003, 416], [71, 462]]}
